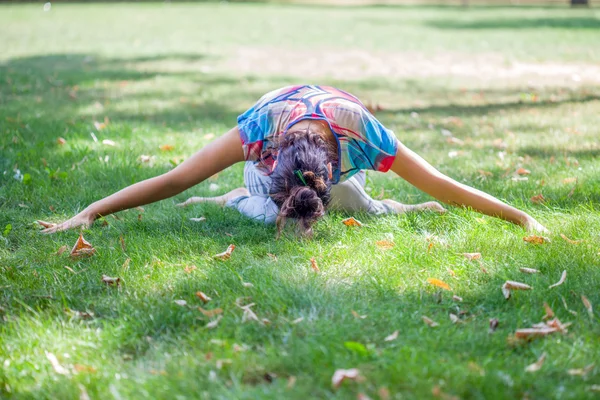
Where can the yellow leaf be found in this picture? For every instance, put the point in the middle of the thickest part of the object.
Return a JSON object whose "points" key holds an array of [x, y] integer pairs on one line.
{"points": [[351, 222], [167, 147], [438, 283], [385, 244], [82, 248]]}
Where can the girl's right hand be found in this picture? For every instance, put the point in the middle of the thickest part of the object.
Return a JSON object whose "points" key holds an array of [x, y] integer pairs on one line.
{"points": [[84, 219]]}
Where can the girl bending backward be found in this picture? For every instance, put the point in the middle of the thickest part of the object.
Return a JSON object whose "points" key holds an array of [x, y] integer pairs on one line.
{"points": [[306, 149]]}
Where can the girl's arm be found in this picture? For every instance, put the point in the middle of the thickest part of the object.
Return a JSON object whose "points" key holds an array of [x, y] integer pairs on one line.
{"points": [[218, 155], [422, 175]]}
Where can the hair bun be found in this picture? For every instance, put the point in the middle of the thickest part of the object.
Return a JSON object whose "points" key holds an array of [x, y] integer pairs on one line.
{"points": [[313, 181]]}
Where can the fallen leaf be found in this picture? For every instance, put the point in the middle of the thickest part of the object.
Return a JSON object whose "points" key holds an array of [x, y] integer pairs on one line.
{"points": [[587, 305], [529, 270], [61, 141], [454, 140], [205, 299], [567, 181], [523, 171], [472, 256], [313, 265], [556, 324], [210, 313], [512, 285], [351, 222], [451, 272], [581, 371], [519, 178], [570, 240], [362, 396], [62, 249], [226, 254], [549, 313], [83, 394], [214, 323], [392, 337], [59, 369], [567, 308], [384, 393], [457, 298], [437, 392], [341, 375], [532, 333], [429, 322], [291, 382], [84, 368], [70, 269], [595, 388], [46, 224], [189, 268], [538, 198], [108, 142], [248, 314], [209, 136], [297, 320], [438, 283], [167, 147], [99, 125], [357, 315], [181, 303], [454, 318], [122, 241], [562, 279], [201, 219], [536, 366], [493, 325], [82, 248], [272, 257], [536, 239], [111, 281], [247, 284], [385, 244]]}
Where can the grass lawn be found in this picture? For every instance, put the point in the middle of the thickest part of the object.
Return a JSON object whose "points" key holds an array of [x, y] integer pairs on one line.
{"points": [[517, 88]]}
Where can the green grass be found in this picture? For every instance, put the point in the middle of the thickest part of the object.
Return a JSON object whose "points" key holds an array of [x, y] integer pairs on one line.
{"points": [[173, 73]]}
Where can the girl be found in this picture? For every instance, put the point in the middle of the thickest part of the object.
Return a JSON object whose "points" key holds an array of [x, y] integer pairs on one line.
{"points": [[306, 149]]}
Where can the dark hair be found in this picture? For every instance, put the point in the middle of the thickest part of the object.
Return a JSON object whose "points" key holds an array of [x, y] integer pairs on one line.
{"points": [[306, 152]]}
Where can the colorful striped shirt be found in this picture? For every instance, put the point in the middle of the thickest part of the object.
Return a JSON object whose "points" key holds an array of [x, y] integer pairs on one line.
{"points": [[363, 142]]}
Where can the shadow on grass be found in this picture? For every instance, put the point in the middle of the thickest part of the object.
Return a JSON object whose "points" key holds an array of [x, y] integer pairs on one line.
{"points": [[566, 22]]}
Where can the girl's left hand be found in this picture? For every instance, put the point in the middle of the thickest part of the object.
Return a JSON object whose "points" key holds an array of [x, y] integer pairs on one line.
{"points": [[533, 226]]}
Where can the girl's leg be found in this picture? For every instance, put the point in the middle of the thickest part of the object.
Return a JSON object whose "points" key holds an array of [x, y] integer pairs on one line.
{"points": [[350, 196]]}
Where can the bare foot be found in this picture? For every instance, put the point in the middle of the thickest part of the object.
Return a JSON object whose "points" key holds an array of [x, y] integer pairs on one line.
{"points": [[221, 200], [403, 208]]}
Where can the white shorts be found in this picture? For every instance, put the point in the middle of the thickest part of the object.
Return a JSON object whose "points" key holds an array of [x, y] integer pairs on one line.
{"points": [[348, 196]]}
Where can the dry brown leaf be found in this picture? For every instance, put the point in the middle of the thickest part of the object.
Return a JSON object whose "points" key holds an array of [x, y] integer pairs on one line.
{"points": [[362, 396], [297, 320], [587, 305], [529, 270], [341, 375], [457, 298], [385, 244], [556, 324], [438, 283], [472, 256], [313, 265], [562, 279], [99, 125], [226, 255], [82, 248], [167, 147], [122, 241], [61, 250], [437, 392], [429, 321], [210, 313], [357, 315], [351, 222], [61, 141], [84, 368], [536, 366], [213, 324], [512, 285], [291, 382], [205, 299], [454, 140], [45, 224], [549, 313], [189, 269], [248, 314], [532, 333], [581, 371], [493, 325], [272, 257], [567, 181], [126, 264], [391, 337], [384, 393], [536, 239], [451, 272], [59, 369], [523, 171], [538, 198], [80, 314], [570, 240], [567, 308], [454, 318], [111, 281], [181, 303]]}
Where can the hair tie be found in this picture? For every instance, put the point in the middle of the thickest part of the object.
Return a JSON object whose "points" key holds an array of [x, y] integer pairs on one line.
{"points": [[300, 176]]}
